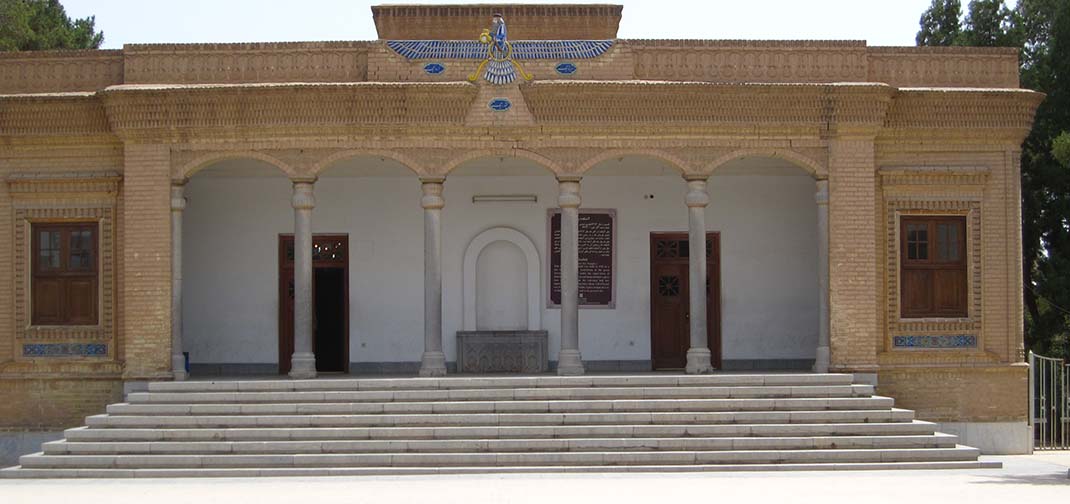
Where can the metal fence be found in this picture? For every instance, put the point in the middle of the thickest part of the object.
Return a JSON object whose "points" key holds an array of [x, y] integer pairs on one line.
{"points": [[1049, 402]]}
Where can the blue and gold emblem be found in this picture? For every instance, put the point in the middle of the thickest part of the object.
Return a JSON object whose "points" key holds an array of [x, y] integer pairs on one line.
{"points": [[499, 58]]}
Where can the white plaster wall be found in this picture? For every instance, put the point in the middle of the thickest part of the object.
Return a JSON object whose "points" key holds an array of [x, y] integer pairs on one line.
{"points": [[501, 288], [767, 226]]}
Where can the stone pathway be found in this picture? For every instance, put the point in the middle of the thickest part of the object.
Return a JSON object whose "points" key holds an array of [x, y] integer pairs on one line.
{"points": [[1023, 479]]}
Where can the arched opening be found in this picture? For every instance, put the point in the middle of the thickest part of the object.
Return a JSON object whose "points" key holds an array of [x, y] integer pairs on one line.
{"points": [[767, 215], [494, 229], [374, 201], [236, 210]]}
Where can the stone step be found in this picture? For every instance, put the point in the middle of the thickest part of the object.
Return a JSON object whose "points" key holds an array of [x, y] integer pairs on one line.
{"points": [[595, 458], [20, 472], [505, 394], [540, 381], [85, 434], [499, 445], [532, 406], [473, 419]]}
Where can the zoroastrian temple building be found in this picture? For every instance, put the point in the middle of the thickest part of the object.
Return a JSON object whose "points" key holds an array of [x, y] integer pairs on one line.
{"points": [[465, 198]]}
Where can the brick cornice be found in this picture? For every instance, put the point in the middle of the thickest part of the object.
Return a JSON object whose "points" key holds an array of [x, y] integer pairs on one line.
{"points": [[948, 114], [813, 109], [174, 113]]}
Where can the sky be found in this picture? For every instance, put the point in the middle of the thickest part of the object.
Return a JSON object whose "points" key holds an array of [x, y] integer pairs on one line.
{"points": [[880, 22]]}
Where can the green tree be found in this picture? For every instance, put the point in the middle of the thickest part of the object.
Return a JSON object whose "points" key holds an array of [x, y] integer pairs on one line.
{"points": [[940, 23], [1041, 28], [33, 25], [990, 24]]}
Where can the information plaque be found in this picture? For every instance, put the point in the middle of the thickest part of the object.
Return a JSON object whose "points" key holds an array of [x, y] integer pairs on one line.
{"points": [[598, 258]]}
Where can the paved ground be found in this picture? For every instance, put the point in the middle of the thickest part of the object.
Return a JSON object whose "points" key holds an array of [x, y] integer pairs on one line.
{"points": [[1023, 478]]}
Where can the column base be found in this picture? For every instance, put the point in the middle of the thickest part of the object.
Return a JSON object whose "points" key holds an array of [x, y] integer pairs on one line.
{"points": [[178, 367], [569, 363], [821, 362], [303, 366], [433, 364], [698, 361]]}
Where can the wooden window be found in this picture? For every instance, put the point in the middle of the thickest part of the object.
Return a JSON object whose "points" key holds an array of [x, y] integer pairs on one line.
{"points": [[933, 267], [64, 265]]}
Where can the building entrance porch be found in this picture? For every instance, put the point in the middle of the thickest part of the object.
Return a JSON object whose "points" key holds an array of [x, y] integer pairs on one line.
{"points": [[761, 312]]}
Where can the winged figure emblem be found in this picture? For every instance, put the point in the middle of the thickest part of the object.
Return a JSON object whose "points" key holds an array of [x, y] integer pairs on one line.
{"points": [[499, 57]]}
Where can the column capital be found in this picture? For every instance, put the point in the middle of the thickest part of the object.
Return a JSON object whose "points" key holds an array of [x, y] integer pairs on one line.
{"points": [[696, 177], [303, 196], [178, 198], [697, 197], [822, 194], [432, 190], [568, 194], [569, 177], [432, 179]]}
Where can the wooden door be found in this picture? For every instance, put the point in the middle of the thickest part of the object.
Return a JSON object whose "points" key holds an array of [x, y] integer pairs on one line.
{"points": [[670, 299], [329, 253]]}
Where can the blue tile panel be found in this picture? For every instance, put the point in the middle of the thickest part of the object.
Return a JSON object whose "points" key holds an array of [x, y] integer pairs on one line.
{"points": [[500, 104], [65, 350], [942, 341], [522, 49], [565, 68], [434, 68]]}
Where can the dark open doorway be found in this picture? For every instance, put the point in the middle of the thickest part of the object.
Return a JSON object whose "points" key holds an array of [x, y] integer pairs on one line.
{"points": [[330, 302], [330, 320]]}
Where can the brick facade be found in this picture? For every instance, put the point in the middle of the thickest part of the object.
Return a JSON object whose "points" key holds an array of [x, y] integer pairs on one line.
{"points": [[887, 144]]}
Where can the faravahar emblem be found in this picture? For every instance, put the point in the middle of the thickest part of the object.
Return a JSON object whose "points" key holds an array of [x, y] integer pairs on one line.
{"points": [[499, 58]]}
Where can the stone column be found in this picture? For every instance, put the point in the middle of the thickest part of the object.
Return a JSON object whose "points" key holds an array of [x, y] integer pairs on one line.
{"points": [[821, 362], [303, 364], [178, 204], [569, 361], [698, 356], [433, 361]]}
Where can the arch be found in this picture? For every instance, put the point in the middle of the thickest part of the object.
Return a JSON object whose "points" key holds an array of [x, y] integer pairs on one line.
{"points": [[325, 163], [810, 166], [197, 164], [673, 161], [550, 165], [468, 271]]}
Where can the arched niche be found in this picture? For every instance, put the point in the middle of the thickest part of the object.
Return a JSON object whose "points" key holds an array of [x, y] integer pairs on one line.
{"points": [[470, 272]]}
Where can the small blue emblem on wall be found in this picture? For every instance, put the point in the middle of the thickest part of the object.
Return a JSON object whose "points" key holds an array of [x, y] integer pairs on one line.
{"points": [[500, 104], [565, 68], [434, 68]]}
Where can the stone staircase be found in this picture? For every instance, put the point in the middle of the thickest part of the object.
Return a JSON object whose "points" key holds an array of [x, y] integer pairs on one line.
{"points": [[651, 422]]}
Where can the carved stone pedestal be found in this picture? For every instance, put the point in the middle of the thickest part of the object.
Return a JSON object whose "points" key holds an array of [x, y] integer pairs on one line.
{"points": [[502, 352]]}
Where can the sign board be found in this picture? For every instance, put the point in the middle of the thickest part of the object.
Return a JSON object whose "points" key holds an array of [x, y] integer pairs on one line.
{"points": [[598, 257]]}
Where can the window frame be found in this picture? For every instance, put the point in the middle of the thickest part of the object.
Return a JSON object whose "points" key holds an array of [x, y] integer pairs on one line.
{"points": [[933, 264], [65, 274]]}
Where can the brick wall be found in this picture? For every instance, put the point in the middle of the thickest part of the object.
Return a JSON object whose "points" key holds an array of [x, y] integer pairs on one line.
{"points": [[50, 404], [852, 255], [955, 394], [146, 297]]}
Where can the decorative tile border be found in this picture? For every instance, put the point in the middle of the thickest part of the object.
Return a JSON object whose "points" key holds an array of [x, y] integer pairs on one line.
{"points": [[65, 350], [940, 341]]}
